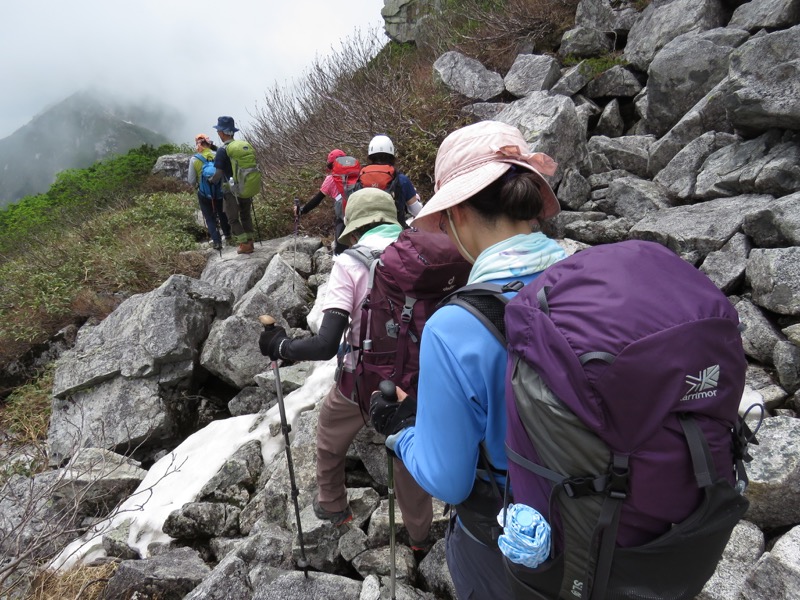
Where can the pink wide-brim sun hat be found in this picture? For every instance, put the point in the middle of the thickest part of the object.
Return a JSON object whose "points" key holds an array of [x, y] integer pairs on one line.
{"points": [[473, 157]]}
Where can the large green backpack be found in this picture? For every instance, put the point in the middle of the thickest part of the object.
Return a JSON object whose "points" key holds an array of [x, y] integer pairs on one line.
{"points": [[246, 177]]}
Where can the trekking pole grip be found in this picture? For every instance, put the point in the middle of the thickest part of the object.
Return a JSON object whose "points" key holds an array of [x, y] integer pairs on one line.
{"points": [[388, 389], [267, 321]]}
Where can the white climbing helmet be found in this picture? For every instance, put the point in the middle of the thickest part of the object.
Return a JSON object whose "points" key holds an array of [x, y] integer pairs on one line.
{"points": [[380, 144]]}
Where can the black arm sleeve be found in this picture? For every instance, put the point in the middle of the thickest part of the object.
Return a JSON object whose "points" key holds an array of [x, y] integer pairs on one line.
{"points": [[323, 345], [313, 203]]}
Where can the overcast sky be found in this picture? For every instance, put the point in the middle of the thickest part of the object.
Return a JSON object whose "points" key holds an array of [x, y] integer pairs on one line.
{"points": [[206, 58]]}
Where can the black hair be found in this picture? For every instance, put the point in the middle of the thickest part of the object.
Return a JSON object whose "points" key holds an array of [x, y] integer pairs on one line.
{"points": [[382, 158], [516, 195]]}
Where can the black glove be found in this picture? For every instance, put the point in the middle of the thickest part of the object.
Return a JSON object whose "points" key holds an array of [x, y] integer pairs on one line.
{"points": [[270, 341], [390, 416]]}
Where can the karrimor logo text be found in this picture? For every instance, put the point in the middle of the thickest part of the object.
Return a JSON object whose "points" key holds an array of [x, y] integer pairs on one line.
{"points": [[702, 386]]}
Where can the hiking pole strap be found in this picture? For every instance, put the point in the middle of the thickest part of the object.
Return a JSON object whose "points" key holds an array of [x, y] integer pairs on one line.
{"points": [[703, 464], [608, 524]]}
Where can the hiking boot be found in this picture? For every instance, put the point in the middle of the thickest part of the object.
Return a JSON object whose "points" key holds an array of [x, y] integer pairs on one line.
{"points": [[246, 248], [336, 518], [218, 246]]}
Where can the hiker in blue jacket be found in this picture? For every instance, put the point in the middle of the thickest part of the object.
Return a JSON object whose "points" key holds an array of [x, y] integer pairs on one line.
{"points": [[490, 194]]}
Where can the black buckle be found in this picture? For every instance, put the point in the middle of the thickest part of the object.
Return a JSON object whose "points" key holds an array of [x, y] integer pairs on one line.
{"points": [[617, 487], [575, 487]]}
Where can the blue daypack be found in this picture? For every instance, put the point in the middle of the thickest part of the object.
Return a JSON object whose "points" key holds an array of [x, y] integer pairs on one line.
{"points": [[211, 191]]}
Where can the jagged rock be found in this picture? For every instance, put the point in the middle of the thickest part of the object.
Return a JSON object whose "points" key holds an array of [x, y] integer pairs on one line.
{"points": [[352, 543], [484, 111], [228, 580], [629, 153], [585, 42], [573, 80], [168, 576], [774, 489], [606, 15], [434, 572], [664, 20], [231, 351], [741, 553], [680, 175], [565, 219], [237, 478], [115, 543], [252, 399], [467, 76], [202, 520], [375, 588], [761, 382], [598, 232], [573, 192], [766, 14], [726, 266], [378, 530], [402, 18], [616, 81], [294, 585], [376, 562], [765, 79], [531, 73], [777, 572], [603, 180], [586, 109], [684, 71], [610, 123], [760, 335], [634, 198], [298, 251], [145, 333], [777, 225], [764, 165], [172, 165], [551, 125], [241, 273], [774, 275], [698, 229], [709, 114], [786, 357]]}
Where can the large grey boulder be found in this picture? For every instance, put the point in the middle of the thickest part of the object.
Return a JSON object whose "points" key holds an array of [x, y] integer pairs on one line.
{"points": [[684, 71], [606, 15], [679, 177], [294, 585], [617, 82], [709, 114], [766, 14], [175, 166], [467, 76], [760, 335], [768, 164], [776, 225], [573, 80], [696, 230], [585, 42], [610, 123], [231, 351], [629, 153], [573, 192], [239, 273], [777, 572], [401, 18], [635, 198], [774, 275], [551, 125], [774, 473], [664, 20], [726, 266], [765, 78], [168, 576], [741, 553], [531, 73]]}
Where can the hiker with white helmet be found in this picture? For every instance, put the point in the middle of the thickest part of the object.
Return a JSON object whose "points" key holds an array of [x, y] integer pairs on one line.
{"points": [[381, 173], [371, 221], [490, 189]]}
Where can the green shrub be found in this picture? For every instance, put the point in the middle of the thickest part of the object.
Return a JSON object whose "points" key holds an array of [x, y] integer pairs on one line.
{"points": [[592, 67]]}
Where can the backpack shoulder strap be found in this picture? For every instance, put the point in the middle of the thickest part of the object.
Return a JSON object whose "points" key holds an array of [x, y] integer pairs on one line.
{"points": [[201, 158], [487, 301]]}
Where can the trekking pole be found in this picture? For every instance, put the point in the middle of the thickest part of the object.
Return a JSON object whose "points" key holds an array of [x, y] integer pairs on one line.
{"points": [[217, 224], [389, 391], [296, 223], [269, 323]]}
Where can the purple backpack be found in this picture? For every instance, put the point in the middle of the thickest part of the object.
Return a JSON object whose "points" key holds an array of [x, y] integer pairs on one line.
{"points": [[408, 280], [625, 374]]}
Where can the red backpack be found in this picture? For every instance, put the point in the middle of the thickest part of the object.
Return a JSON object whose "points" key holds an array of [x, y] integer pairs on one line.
{"points": [[345, 170], [408, 279]]}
